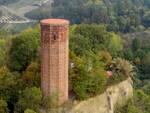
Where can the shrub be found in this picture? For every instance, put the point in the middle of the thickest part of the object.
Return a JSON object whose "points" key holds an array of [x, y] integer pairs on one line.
{"points": [[86, 85], [29, 111], [121, 69], [23, 50], [31, 98], [31, 77], [88, 76], [3, 106]]}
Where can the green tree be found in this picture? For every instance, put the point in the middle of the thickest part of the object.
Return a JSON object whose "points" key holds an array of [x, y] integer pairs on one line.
{"points": [[134, 109], [29, 111], [144, 68], [146, 20], [124, 16], [128, 54], [30, 99], [104, 58], [136, 44], [8, 85], [31, 76], [116, 45], [2, 52], [138, 104], [142, 101], [86, 84], [146, 88], [95, 38], [87, 76], [40, 13], [23, 49], [3, 106]]}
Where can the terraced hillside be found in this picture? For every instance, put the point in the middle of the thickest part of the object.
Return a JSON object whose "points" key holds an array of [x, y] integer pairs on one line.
{"points": [[24, 6], [14, 12], [9, 16]]}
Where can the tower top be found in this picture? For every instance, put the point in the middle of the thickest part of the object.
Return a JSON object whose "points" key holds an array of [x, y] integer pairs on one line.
{"points": [[54, 22]]}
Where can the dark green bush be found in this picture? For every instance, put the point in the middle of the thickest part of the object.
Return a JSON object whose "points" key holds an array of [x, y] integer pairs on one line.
{"points": [[87, 77], [89, 84]]}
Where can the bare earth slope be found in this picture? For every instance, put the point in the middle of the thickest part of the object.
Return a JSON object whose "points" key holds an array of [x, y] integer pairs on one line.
{"points": [[106, 102]]}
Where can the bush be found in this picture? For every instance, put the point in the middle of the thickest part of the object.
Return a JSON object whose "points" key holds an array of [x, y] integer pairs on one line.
{"points": [[146, 88], [3, 106], [31, 76], [8, 85], [87, 76], [138, 104], [87, 84], [29, 111], [121, 70], [31, 98], [23, 50]]}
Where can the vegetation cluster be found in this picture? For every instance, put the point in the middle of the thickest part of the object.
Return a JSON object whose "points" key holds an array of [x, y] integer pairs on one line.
{"points": [[89, 63], [97, 46], [120, 15]]}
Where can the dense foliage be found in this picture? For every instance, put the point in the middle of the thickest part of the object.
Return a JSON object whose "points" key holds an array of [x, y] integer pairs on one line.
{"points": [[138, 104], [5, 2], [23, 50], [95, 38], [119, 15], [96, 48], [40, 13], [89, 63], [92, 59]]}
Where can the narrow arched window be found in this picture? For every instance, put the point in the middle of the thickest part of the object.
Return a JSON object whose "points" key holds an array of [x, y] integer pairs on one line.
{"points": [[54, 37]]}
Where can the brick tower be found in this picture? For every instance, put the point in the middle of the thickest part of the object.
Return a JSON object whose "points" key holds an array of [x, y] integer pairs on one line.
{"points": [[54, 58]]}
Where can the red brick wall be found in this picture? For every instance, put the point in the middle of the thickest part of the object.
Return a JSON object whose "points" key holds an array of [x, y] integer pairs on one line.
{"points": [[54, 58]]}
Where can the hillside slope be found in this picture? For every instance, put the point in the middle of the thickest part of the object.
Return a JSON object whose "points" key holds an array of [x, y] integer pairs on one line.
{"points": [[24, 6], [106, 102]]}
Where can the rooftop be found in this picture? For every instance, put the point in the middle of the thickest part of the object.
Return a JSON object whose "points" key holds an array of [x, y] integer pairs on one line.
{"points": [[54, 22]]}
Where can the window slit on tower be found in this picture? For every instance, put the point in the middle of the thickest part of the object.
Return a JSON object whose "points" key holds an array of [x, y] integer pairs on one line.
{"points": [[54, 37]]}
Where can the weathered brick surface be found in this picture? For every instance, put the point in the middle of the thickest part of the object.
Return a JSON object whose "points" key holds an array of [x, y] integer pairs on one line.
{"points": [[54, 58]]}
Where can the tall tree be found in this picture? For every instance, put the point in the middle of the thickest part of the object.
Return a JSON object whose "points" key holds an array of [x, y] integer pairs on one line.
{"points": [[23, 50]]}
